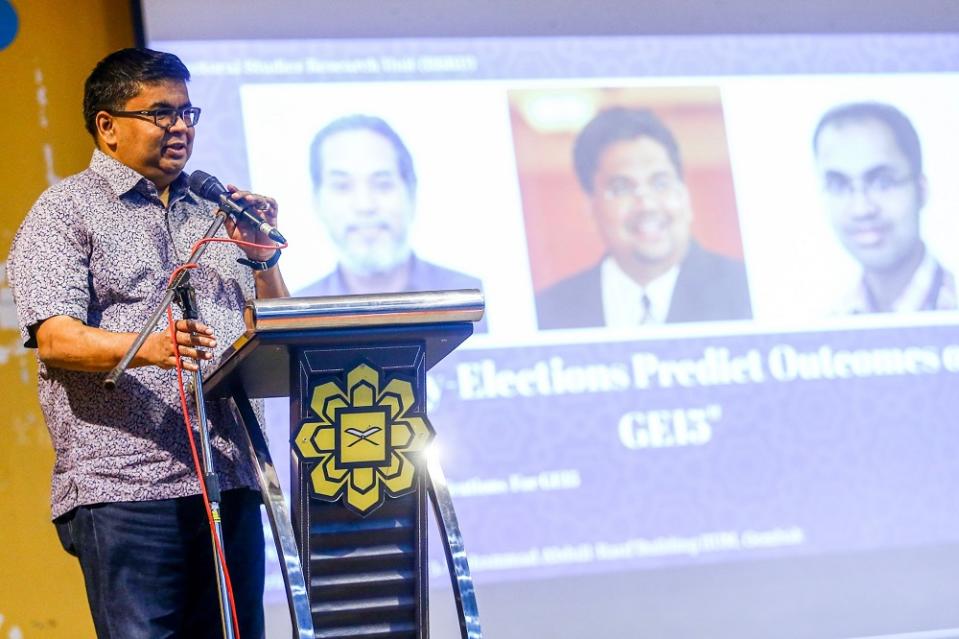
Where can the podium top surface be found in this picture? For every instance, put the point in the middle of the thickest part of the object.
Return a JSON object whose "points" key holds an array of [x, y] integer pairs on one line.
{"points": [[259, 359], [347, 311]]}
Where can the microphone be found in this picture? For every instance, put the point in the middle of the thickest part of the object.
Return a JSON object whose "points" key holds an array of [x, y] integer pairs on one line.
{"points": [[210, 188]]}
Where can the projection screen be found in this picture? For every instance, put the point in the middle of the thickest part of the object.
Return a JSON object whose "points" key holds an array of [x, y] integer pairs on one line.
{"points": [[765, 448]]}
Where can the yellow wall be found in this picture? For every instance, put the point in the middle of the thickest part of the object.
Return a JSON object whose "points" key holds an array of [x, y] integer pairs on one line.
{"points": [[41, 137]]}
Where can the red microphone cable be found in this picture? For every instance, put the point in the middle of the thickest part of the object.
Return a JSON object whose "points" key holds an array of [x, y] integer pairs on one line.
{"points": [[220, 555]]}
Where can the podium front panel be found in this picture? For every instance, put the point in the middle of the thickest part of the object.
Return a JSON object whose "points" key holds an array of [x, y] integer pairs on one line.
{"points": [[362, 543]]}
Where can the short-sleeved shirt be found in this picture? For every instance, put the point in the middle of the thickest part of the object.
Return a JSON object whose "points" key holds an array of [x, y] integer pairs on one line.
{"points": [[100, 247]]}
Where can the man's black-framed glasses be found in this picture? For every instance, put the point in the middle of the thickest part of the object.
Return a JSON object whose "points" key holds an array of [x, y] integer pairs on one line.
{"points": [[876, 183], [164, 118]]}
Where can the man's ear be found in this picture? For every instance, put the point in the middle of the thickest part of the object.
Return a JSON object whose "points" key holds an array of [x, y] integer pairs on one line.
{"points": [[922, 190], [316, 204], [590, 202], [106, 129]]}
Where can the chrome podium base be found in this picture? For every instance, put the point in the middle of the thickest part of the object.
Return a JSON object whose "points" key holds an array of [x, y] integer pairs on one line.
{"points": [[278, 514], [462, 580]]}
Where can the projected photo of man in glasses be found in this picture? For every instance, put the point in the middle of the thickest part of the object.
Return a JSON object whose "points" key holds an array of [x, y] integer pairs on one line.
{"points": [[869, 159]]}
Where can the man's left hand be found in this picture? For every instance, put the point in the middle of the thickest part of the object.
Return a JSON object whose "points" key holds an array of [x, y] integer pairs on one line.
{"points": [[266, 209]]}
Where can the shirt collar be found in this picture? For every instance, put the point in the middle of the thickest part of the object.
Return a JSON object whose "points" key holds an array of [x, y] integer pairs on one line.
{"points": [[623, 297], [913, 298], [920, 286], [124, 180]]}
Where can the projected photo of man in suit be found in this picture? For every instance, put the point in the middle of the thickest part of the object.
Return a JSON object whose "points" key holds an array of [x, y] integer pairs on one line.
{"points": [[869, 160], [364, 192], [628, 164]]}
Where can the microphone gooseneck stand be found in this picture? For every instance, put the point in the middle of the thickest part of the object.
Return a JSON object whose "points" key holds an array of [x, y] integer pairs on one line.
{"points": [[185, 295], [186, 299]]}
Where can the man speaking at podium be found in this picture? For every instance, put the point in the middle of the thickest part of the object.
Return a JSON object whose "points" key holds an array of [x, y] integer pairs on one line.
{"points": [[87, 267]]}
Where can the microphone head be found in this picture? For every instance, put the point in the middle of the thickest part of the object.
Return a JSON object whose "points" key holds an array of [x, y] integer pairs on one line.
{"points": [[206, 186]]}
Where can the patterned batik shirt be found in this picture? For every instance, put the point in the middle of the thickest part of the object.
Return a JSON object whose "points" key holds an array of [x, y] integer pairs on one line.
{"points": [[100, 247]]}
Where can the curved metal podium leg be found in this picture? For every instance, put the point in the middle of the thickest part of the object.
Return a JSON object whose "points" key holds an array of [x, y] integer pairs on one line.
{"points": [[279, 516], [462, 580]]}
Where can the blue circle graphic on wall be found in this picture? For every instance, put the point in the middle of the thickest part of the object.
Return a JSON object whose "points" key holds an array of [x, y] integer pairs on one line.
{"points": [[8, 23]]}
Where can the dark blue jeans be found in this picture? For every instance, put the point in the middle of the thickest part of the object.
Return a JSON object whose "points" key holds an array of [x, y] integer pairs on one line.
{"points": [[148, 566]]}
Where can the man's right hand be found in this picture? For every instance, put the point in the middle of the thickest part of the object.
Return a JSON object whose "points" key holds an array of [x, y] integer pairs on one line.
{"points": [[66, 342], [190, 336]]}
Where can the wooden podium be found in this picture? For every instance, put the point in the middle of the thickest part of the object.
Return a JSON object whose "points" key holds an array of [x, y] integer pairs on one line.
{"points": [[353, 549]]}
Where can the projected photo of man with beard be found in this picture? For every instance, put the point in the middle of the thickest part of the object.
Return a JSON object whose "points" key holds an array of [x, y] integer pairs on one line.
{"points": [[364, 185]]}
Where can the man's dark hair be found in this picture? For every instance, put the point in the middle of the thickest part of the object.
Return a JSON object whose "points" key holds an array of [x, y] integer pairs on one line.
{"points": [[902, 130], [121, 75], [360, 122], [619, 124]]}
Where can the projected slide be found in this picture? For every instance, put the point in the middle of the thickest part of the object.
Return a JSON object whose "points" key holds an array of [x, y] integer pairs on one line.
{"points": [[720, 279]]}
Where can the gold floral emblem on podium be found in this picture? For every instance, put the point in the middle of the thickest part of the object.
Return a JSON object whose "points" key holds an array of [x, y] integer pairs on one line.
{"points": [[365, 441]]}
